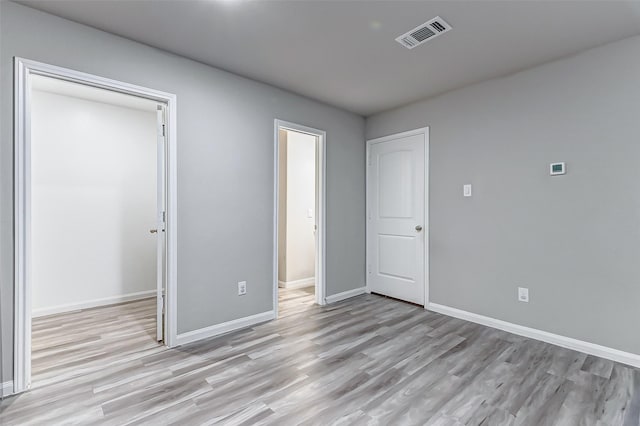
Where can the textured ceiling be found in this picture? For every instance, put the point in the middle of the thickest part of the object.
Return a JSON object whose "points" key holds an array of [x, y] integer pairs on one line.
{"points": [[344, 53]]}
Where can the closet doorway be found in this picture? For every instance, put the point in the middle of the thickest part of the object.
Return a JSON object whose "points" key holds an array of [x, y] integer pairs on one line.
{"points": [[95, 191]]}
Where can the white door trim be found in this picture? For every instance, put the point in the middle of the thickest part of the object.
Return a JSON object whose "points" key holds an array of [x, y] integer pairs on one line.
{"points": [[161, 208], [321, 288], [422, 131], [24, 68]]}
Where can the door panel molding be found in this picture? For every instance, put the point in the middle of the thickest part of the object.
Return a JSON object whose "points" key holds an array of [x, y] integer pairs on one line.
{"points": [[371, 254]]}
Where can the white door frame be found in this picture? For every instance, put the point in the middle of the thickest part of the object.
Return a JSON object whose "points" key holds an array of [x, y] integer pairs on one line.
{"points": [[422, 131], [24, 69], [321, 289]]}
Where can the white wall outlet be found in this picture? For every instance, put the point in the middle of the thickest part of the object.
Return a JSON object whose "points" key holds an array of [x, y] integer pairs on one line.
{"points": [[310, 213], [466, 190], [242, 288], [523, 294]]}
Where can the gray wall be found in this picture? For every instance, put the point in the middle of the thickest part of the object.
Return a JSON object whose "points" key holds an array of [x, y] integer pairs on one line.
{"points": [[573, 240], [225, 167]]}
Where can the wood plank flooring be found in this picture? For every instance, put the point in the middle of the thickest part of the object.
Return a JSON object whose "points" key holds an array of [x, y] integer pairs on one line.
{"points": [[367, 360]]}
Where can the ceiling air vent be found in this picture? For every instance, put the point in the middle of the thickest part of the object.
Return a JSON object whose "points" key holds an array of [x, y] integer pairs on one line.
{"points": [[427, 31]]}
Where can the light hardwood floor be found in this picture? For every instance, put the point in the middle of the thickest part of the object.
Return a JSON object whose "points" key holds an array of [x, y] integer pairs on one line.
{"points": [[367, 360]]}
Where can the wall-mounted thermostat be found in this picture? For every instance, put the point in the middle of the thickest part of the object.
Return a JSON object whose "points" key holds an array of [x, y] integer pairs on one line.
{"points": [[557, 169]]}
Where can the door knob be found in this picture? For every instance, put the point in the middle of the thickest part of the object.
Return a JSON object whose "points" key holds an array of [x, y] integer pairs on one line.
{"points": [[153, 231], [418, 228]]}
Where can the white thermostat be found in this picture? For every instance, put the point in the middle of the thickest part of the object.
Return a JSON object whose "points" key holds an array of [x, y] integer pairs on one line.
{"points": [[557, 169]]}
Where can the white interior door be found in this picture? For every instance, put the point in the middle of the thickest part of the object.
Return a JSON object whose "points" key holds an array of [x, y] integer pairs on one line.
{"points": [[396, 231], [160, 228]]}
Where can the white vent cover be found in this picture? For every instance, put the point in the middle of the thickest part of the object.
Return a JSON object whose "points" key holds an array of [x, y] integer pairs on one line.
{"points": [[423, 33]]}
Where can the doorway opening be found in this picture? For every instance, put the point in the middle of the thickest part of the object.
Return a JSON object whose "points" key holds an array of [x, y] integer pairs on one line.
{"points": [[299, 222], [95, 205]]}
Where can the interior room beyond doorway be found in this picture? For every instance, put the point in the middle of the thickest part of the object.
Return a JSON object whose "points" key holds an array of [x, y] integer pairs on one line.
{"points": [[297, 231], [94, 198]]}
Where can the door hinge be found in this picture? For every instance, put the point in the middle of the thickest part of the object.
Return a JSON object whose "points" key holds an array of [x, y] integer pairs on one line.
{"points": [[163, 130], [164, 217], [369, 160], [369, 268]]}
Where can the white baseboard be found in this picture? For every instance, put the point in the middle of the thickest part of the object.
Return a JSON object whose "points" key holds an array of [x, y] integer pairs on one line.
{"points": [[40, 312], [225, 327], [305, 282], [555, 339], [346, 294], [6, 389]]}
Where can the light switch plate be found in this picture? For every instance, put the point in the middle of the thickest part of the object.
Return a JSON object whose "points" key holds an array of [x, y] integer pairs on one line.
{"points": [[523, 294], [466, 190]]}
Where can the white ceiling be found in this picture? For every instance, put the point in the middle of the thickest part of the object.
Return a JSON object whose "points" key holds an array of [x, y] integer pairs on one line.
{"points": [[344, 52], [81, 91]]}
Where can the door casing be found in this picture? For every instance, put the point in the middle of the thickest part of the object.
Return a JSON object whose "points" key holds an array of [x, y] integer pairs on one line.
{"points": [[321, 285], [369, 256], [23, 70]]}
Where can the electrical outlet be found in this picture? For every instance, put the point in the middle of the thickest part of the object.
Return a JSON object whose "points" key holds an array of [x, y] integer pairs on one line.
{"points": [[523, 294], [466, 190], [242, 288]]}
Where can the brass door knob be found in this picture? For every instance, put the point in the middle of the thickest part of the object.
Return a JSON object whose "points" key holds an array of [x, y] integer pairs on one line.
{"points": [[153, 231], [418, 228]]}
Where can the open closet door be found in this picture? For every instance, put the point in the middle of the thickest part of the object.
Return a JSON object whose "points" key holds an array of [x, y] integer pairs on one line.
{"points": [[160, 229]]}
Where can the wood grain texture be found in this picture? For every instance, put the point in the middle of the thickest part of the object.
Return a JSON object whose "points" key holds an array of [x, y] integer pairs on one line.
{"points": [[365, 361]]}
